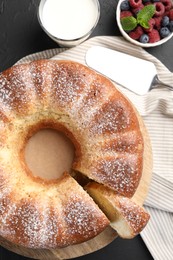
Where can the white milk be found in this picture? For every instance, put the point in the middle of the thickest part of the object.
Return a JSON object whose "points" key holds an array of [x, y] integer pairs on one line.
{"points": [[69, 19]]}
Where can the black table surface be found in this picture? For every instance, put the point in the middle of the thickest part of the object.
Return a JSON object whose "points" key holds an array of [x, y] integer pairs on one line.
{"points": [[21, 35]]}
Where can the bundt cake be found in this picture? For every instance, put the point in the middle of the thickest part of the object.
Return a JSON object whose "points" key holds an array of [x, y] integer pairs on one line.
{"points": [[103, 126]]}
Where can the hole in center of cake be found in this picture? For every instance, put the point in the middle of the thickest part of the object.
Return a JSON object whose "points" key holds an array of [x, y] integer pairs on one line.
{"points": [[48, 153]]}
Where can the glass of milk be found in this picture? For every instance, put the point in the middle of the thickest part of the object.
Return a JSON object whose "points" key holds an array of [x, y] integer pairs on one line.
{"points": [[68, 22]]}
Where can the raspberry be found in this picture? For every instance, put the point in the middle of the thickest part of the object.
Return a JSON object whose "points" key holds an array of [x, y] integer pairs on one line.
{"points": [[157, 22], [125, 14], [153, 36], [160, 9], [135, 3], [171, 15], [136, 33], [166, 13], [151, 25], [137, 9], [167, 4]]}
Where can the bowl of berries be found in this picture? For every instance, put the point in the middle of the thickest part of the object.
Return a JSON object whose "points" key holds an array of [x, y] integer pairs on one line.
{"points": [[146, 23]]}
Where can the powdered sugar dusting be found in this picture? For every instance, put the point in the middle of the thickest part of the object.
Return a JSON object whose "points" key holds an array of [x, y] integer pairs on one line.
{"points": [[135, 215], [25, 223], [69, 83], [13, 93], [51, 229], [128, 142], [120, 174], [96, 95], [7, 208], [81, 219], [112, 117]]}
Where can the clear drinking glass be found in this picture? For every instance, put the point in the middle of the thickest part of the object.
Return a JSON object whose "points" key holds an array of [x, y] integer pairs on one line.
{"points": [[68, 22]]}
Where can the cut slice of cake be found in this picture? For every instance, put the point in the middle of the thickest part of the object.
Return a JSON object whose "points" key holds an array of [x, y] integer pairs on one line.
{"points": [[126, 217]]}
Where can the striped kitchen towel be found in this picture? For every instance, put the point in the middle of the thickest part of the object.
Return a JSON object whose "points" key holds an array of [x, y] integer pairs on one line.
{"points": [[156, 108]]}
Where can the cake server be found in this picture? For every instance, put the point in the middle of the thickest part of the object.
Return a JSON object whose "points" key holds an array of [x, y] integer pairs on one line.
{"points": [[133, 73]]}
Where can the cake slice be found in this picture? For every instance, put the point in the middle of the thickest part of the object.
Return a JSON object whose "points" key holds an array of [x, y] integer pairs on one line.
{"points": [[126, 217]]}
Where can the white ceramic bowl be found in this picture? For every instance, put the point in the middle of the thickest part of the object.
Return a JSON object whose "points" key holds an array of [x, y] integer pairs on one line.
{"points": [[127, 37]]}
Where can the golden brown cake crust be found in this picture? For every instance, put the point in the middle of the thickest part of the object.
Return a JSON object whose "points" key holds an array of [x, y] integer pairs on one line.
{"points": [[104, 129]]}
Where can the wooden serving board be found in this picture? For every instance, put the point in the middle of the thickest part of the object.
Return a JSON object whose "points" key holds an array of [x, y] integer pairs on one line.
{"points": [[103, 239], [108, 235]]}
